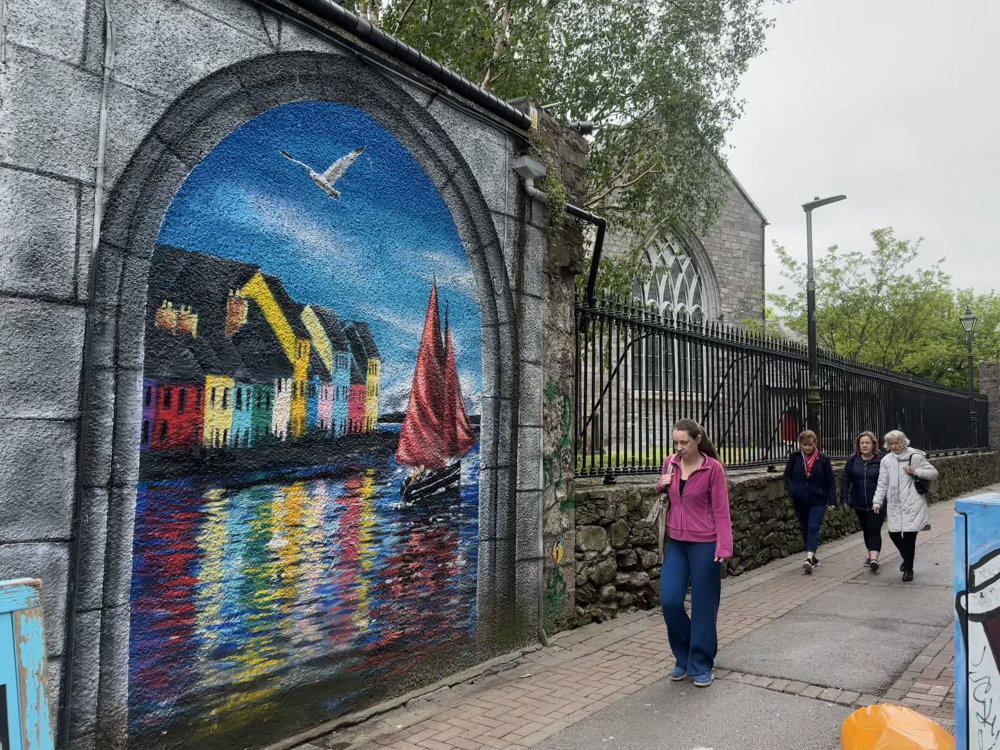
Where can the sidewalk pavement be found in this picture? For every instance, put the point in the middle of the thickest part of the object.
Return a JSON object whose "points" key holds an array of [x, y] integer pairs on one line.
{"points": [[797, 654]]}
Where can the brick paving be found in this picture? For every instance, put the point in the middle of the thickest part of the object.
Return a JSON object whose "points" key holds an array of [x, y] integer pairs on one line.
{"points": [[517, 703]]}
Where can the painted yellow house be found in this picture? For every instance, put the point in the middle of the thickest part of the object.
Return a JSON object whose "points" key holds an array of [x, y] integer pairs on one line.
{"points": [[374, 382], [284, 317], [218, 410]]}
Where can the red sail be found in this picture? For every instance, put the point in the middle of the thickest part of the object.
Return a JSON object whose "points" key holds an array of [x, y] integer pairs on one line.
{"points": [[421, 439], [459, 435]]}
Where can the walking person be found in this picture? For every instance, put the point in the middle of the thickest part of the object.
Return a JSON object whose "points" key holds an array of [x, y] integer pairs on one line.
{"points": [[905, 508], [857, 488], [809, 480], [701, 538]]}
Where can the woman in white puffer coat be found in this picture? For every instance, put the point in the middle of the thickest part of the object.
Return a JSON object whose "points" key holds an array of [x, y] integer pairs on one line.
{"points": [[905, 508]]}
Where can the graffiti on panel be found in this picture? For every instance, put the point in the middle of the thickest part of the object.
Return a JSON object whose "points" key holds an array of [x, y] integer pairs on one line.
{"points": [[306, 523], [979, 609]]}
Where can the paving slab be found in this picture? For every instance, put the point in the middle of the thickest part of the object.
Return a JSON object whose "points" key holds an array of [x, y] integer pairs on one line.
{"points": [[726, 716], [917, 604], [841, 651]]}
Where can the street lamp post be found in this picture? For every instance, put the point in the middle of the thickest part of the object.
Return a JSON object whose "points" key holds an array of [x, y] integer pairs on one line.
{"points": [[813, 399], [969, 324]]}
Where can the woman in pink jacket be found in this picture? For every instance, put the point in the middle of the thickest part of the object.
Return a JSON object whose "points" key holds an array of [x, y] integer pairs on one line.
{"points": [[701, 538]]}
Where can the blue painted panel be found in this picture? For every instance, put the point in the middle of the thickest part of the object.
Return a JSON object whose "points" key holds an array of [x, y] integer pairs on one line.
{"points": [[977, 603], [961, 623], [29, 634], [8, 678]]}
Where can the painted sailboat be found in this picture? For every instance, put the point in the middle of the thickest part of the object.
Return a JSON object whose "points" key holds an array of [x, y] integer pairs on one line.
{"points": [[437, 431]]}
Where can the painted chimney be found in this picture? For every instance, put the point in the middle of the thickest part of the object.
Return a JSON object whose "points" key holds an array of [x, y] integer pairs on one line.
{"points": [[187, 321], [166, 317], [236, 313]]}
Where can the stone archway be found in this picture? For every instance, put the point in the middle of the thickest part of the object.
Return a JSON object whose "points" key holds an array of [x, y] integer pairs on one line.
{"points": [[113, 366]]}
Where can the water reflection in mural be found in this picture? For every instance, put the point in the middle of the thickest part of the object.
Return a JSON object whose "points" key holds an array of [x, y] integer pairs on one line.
{"points": [[247, 593]]}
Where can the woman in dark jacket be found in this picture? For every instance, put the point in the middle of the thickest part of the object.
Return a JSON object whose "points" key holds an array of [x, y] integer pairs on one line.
{"points": [[809, 480], [858, 489]]}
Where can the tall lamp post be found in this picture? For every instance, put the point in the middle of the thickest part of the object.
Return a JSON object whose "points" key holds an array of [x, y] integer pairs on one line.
{"points": [[969, 324], [813, 400]]}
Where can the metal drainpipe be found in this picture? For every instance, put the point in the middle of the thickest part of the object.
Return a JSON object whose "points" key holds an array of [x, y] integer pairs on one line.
{"points": [[595, 262], [591, 218], [63, 726]]}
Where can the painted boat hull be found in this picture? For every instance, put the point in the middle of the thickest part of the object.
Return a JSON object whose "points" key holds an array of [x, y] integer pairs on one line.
{"points": [[431, 482]]}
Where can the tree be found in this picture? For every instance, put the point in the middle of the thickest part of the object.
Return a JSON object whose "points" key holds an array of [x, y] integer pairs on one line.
{"points": [[658, 78], [874, 307]]}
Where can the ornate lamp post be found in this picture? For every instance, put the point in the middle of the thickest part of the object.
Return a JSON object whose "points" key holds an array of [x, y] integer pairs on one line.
{"points": [[813, 400], [969, 324]]}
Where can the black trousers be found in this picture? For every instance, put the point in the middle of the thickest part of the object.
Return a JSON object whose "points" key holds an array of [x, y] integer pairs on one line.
{"points": [[906, 543], [871, 526]]}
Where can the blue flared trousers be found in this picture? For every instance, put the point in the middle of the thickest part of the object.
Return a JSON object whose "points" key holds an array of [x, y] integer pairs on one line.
{"points": [[693, 639]]}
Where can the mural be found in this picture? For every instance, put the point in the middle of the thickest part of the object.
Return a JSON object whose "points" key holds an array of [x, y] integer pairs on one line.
{"points": [[306, 525]]}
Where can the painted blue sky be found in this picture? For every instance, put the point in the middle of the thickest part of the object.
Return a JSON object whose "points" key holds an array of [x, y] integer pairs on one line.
{"points": [[370, 255]]}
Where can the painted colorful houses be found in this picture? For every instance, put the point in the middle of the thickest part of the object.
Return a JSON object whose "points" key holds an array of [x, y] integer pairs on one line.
{"points": [[233, 361]]}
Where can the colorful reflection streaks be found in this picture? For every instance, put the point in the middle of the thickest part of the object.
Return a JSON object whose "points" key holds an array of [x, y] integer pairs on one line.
{"points": [[321, 593]]}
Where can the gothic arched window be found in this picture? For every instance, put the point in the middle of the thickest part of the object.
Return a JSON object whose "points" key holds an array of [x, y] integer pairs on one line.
{"points": [[674, 285], [673, 289]]}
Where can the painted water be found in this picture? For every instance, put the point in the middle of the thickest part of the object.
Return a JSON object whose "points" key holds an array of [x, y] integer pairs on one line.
{"points": [[293, 601]]}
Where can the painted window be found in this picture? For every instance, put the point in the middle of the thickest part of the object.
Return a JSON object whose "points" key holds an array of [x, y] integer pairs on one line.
{"points": [[145, 431], [163, 430], [239, 399], [181, 400], [167, 393], [149, 395], [225, 398]]}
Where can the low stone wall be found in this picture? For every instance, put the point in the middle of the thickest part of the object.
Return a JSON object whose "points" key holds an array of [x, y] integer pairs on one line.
{"points": [[616, 563]]}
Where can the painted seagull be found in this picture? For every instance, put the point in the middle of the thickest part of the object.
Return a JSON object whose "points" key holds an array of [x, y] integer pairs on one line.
{"points": [[331, 175]]}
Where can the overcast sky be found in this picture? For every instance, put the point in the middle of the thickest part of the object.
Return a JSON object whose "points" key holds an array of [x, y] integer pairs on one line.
{"points": [[895, 103]]}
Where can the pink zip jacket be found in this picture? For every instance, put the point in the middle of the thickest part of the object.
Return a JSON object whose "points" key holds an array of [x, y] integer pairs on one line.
{"points": [[701, 514]]}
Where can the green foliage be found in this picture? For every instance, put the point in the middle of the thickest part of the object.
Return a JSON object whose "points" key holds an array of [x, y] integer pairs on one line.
{"points": [[660, 80], [875, 307]]}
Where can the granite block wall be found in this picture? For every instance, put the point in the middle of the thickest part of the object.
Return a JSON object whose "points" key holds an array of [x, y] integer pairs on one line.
{"points": [[152, 90]]}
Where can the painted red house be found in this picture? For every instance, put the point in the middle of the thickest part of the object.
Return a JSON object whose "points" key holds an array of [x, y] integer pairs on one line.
{"points": [[357, 399], [174, 386]]}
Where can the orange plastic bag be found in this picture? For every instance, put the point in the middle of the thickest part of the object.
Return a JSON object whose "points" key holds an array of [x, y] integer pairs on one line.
{"points": [[888, 727]]}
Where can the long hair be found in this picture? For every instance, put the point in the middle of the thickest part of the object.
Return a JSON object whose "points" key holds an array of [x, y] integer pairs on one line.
{"points": [[694, 431]]}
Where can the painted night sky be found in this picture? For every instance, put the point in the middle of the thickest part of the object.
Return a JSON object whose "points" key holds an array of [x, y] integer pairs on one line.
{"points": [[370, 255]]}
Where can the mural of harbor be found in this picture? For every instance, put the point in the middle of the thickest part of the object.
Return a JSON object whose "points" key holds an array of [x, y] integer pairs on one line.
{"points": [[308, 500]]}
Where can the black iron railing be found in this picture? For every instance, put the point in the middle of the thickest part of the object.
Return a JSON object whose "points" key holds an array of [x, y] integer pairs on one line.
{"points": [[637, 373]]}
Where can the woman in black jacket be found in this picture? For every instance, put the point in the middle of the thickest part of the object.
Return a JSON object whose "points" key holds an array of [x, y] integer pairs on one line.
{"points": [[858, 488], [809, 480]]}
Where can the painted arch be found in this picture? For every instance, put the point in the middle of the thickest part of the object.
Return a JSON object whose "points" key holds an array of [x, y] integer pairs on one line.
{"points": [[144, 225]]}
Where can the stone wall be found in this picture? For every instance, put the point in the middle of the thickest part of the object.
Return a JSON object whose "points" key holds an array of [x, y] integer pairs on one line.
{"points": [[616, 564], [191, 78], [566, 151], [735, 246], [729, 257]]}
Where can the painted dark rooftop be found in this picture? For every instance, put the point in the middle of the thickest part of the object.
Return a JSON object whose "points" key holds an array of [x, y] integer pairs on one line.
{"points": [[332, 326], [362, 342]]}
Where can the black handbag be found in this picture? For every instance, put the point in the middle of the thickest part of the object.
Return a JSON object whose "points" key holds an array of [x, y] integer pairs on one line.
{"points": [[922, 486]]}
